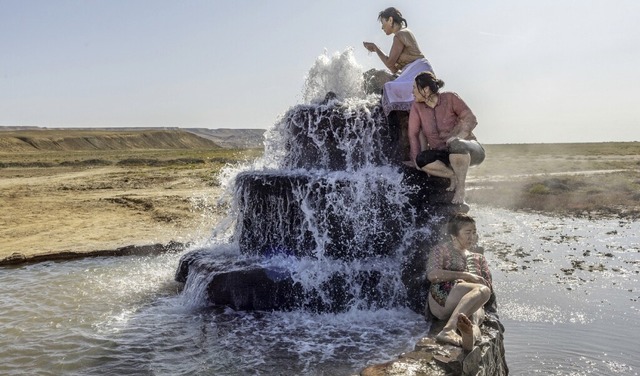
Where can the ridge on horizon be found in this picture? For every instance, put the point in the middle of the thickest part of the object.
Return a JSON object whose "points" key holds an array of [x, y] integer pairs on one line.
{"points": [[19, 139], [254, 137]]}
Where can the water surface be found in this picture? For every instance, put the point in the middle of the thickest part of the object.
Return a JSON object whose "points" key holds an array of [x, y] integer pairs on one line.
{"points": [[567, 293]]}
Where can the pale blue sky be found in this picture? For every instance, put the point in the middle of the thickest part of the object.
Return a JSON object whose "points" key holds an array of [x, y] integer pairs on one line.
{"points": [[532, 71]]}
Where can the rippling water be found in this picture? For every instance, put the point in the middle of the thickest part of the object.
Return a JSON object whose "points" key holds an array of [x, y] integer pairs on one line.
{"points": [[567, 293], [124, 316]]}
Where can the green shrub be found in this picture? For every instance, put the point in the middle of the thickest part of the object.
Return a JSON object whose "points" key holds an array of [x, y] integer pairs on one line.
{"points": [[539, 189]]}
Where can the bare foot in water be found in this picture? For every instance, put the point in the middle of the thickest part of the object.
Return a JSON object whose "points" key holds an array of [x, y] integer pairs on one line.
{"points": [[450, 337], [465, 326]]}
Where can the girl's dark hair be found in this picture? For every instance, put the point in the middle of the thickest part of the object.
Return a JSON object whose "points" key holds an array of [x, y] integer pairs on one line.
{"points": [[393, 12], [429, 79], [457, 221]]}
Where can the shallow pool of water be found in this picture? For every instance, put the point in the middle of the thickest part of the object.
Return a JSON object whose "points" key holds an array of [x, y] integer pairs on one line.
{"points": [[567, 293], [124, 316]]}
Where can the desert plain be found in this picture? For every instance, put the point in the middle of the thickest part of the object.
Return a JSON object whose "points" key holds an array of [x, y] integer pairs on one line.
{"points": [[70, 193]]}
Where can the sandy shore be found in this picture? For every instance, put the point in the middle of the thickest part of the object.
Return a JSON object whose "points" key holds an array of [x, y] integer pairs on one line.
{"points": [[47, 211]]}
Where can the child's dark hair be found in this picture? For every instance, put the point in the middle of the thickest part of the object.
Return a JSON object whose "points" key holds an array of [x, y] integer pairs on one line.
{"points": [[457, 221]]}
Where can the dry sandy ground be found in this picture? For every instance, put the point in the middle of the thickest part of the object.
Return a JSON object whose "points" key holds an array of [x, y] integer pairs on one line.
{"points": [[52, 210], [46, 211]]}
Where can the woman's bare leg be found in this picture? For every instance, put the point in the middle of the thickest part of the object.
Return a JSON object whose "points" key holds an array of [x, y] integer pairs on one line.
{"points": [[460, 166], [477, 318], [441, 170], [464, 298]]}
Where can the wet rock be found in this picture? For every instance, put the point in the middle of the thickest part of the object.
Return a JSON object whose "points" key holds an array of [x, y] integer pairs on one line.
{"points": [[271, 216], [244, 285], [431, 358], [316, 137], [375, 79]]}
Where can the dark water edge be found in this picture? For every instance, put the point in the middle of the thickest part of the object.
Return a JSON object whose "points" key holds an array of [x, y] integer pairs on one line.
{"points": [[17, 258]]}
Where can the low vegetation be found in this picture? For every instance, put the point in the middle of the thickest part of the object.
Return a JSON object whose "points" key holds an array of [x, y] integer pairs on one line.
{"points": [[574, 179], [567, 179], [81, 200], [14, 165]]}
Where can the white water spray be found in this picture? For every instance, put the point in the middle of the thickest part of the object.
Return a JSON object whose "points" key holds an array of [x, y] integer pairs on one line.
{"points": [[326, 192]]}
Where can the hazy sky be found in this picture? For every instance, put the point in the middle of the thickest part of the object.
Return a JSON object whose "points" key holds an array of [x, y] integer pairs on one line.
{"points": [[532, 71]]}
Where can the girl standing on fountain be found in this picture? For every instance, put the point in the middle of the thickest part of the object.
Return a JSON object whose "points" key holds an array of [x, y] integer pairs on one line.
{"points": [[460, 283], [405, 57], [447, 123]]}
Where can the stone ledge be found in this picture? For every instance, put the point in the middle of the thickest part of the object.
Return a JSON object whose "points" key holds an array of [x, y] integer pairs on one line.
{"points": [[430, 358]]}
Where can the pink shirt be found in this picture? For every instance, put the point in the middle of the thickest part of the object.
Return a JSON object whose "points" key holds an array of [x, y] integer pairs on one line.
{"points": [[451, 117]]}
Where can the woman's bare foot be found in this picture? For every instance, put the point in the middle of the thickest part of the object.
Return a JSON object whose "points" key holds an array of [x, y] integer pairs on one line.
{"points": [[452, 185], [458, 197], [450, 337], [466, 328]]}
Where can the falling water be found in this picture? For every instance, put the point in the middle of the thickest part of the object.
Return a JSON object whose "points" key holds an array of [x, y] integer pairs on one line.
{"points": [[325, 206]]}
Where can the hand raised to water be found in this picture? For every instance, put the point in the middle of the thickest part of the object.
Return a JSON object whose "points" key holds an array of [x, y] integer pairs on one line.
{"points": [[371, 47]]}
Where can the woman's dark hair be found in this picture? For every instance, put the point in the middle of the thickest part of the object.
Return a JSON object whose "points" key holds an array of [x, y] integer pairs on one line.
{"points": [[457, 221], [429, 79], [392, 12]]}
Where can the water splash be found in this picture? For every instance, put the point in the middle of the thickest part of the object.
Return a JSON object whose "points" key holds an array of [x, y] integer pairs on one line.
{"points": [[325, 205], [340, 74]]}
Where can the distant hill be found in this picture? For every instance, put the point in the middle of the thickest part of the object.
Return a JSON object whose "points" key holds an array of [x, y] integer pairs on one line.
{"points": [[17, 139], [232, 138], [98, 139]]}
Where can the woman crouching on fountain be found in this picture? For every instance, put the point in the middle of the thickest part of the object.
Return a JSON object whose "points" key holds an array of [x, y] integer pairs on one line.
{"points": [[460, 283], [447, 123]]}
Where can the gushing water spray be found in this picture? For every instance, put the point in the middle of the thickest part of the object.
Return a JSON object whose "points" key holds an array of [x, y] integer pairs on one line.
{"points": [[325, 209], [339, 74]]}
